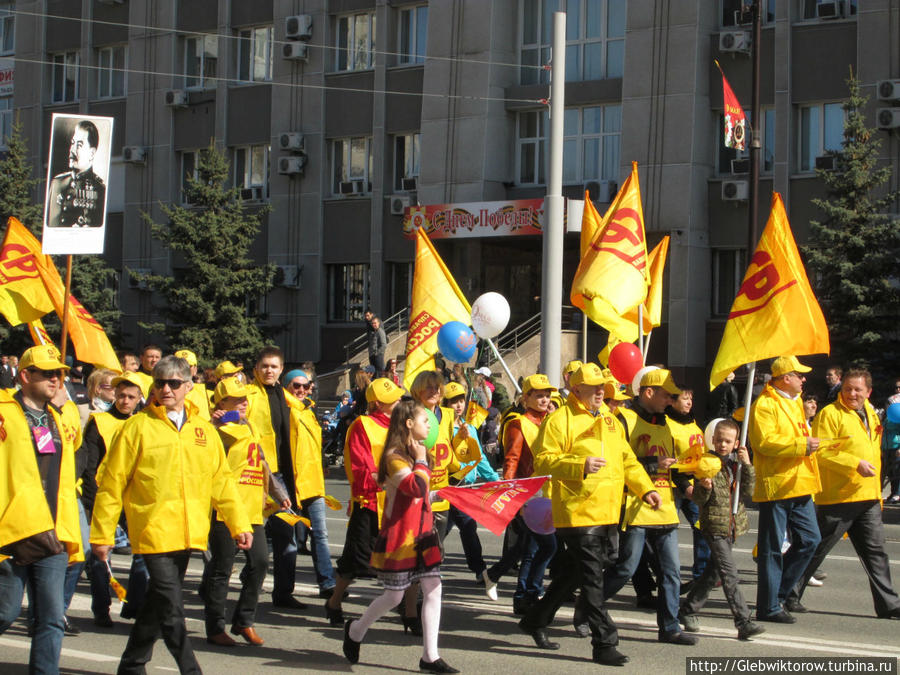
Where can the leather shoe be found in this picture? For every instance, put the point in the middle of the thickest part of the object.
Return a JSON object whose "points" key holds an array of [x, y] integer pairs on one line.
{"points": [[794, 607], [290, 602], [893, 614], [69, 627], [677, 638], [103, 620], [221, 639], [582, 630], [778, 617], [335, 616], [609, 656], [539, 635], [351, 646], [249, 634], [436, 666]]}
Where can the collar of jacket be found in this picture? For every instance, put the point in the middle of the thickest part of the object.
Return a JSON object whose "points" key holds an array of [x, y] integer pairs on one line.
{"points": [[160, 412], [649, 417], [580, 408], [676, 416]]}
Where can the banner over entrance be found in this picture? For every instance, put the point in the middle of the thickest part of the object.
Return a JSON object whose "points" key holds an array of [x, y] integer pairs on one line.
{"points": [[483, 219]]}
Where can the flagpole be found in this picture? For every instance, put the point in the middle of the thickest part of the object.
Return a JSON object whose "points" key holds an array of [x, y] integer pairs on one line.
{"points": [[65, 317], [748, 396], [505, 367], [647, 345], [641, 330], [755, 141], [584, 321]]}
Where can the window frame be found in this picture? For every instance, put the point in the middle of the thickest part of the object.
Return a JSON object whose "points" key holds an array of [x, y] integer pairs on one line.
{"points": [[57, 68], [400, 159], [769, 8], [807, 10], [342, 49], [346, 156], [739, 268], [820, 150], [182, 156], [203, 79], [7, 30], [6, 119], [249, 44], [245, 181], [109, 73], [345, 275], [414, 56]]}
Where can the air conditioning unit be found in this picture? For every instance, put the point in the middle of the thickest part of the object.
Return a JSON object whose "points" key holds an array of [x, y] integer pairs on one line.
{"points": [[288, 276], [345, 187], [291, 166], [601, 190], [408, 184], [888, 90], [888, 118], [298, 27], [177, 98], [134, 154], [740, 166], [734, 41], [829, 10], [826, 163], [252, 194], [295, 51], [134, 278], [361, 187], [399, 204], [735, 190], [290, 140]]}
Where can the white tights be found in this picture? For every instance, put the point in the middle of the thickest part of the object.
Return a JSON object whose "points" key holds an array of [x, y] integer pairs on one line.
{"points": [[431, 615]]}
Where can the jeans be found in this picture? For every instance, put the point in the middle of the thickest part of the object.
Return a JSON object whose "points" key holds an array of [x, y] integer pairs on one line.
{"points": [[314, 509], [468, 535], [73, 572], [777, 574], [664, 543], [46, 581], [701, 547], [538, 554]]}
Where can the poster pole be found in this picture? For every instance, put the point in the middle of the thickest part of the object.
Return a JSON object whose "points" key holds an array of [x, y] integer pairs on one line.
{"points": [[65, 317]]}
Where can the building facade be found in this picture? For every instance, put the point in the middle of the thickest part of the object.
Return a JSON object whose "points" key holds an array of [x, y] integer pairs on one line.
{"points": [[338, 113]]}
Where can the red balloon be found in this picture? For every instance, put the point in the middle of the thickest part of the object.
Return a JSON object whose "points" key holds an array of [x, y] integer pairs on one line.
{"points": [[624, 361]]}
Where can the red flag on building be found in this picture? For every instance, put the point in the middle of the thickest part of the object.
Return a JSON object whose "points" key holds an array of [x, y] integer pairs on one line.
{"points": [[735, 119], [496, 503]]}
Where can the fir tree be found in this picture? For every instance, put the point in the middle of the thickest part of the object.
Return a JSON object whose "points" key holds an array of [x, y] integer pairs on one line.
{"points": [[854, 250], [207, 300]]}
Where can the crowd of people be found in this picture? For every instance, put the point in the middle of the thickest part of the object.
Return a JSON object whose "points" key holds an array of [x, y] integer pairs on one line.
{"points": [[161, 460]]}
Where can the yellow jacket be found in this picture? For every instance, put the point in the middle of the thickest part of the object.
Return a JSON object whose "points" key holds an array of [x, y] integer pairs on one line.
{"points": [[448, 455], [841, 481], [650, 443], [566, 438], [306, 449], [684, 435], [23, 506], [108, 425], [245, 463], [71, 422], [198, 396], [259, 414], [167, 480], [777, 434]]}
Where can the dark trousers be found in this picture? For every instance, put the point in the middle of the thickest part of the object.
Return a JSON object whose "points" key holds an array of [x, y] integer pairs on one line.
{"points": [[468, 535], [722, 567], [214, 586], [162, 613], [863, 524], [586, 555]]}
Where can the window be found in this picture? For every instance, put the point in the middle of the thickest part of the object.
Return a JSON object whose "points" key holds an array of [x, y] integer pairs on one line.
{"points": [[400, 285], [732, 16], [413, 29], [190, 160], [254, 55], [201, 55], [595, 39], [111, 72], [766, 160], [355, 41], [728, 268], [821, 130], [844, 8], [6, 118], [251, 171], [590, 145], [406, 162], [352, 162], [64, 80], [7, 30], [348, 292]]}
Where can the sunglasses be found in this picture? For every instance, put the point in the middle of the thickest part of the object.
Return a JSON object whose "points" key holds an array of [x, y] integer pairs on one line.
{"points": [[301, 385], [47, 374], [173, 384]]}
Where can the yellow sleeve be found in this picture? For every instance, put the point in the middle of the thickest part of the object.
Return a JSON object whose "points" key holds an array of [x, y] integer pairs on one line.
{"points": [[551, 451], [827, 424], [118, 466], [772, 436], [225, 497]]}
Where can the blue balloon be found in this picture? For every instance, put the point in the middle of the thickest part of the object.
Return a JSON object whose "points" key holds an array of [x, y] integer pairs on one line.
{"points": [[893, 413], [457, 342]]}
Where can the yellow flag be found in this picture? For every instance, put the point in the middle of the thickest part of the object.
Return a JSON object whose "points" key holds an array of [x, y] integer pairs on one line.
{"points": [[775, 312], [698, 462], [656, 263], [590, 224], [611, 277], [436, 299], [476, 415], [23, 296]]}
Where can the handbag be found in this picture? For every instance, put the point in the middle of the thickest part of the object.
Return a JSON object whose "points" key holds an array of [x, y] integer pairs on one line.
{"points": [[426, 540], [36, 547]]}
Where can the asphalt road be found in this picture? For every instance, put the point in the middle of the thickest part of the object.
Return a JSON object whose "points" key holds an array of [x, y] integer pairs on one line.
{"points": [[479, 636]]}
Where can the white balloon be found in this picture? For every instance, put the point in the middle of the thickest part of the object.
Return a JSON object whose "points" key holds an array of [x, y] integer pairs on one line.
{"points": [[639, 375], [490, 315], [709, 431]]}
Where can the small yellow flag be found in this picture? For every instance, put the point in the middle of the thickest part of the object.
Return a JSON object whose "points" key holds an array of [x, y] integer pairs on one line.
{"points": [[292, 518], [333, 503], [476, 415], [118, 588]]}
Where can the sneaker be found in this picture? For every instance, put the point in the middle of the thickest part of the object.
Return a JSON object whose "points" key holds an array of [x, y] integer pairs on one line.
{"points": [[814, 582], [69, 628], [794, 607], [490, 587], [893, 499], [749, 629], [691, 622]]}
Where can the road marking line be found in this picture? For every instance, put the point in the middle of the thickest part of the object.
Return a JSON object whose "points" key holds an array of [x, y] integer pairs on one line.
{"points": [[66, 651]]}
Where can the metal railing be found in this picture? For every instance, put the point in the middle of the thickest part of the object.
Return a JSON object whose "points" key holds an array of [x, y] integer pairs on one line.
{"points": [[512, 339], [395, 323]]}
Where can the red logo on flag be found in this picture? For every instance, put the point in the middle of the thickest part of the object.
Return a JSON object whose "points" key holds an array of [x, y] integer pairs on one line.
{"points": [[493, 504]]}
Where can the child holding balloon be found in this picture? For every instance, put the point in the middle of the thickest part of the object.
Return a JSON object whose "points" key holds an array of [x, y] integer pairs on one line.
{"points": [[408, 548]]}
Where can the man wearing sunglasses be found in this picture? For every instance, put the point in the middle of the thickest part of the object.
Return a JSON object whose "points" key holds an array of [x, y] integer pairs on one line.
{"points": [[166, 467], [39, 525]]}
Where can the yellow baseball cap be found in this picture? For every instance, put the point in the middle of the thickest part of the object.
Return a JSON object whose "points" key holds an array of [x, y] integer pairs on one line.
{"points": [[537, 381], [383, 390], [230, 387], [128, 377], [188, 356], [557, 399], [660, 377], [612, 391], [572, 366], [588, 373], [453, 389], [43, 357], [787, 364], [226, 368]]}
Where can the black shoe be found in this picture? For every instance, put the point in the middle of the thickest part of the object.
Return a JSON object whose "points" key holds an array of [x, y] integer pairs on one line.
{"points": [[351, 646], [103, 620], [439, 666], [582, 630], [522, 605], [794, 607], [820, 575], [303, 550], [68, 628], [413, 625], [892, 614], [778, 617], [326, 593], [609, 656], [335, 616], [539, 635], [677, 637], [290, 602], [686, 587], [646, 602], [749, 629]]}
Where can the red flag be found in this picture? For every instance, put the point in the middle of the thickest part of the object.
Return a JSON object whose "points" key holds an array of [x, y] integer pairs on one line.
{"points": [[735, 119], [496, 503]]}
